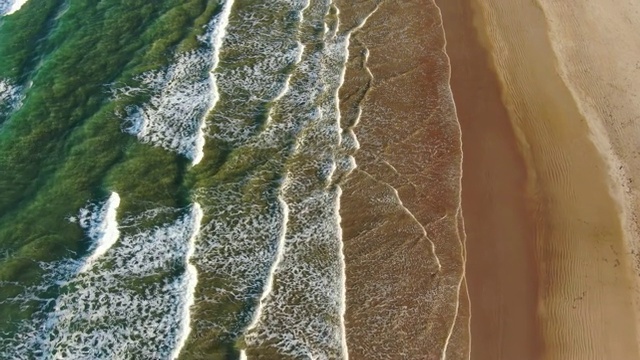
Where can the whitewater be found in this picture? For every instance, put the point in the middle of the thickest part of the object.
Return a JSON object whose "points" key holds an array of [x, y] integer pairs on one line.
{"points": [[258, 242], [249, 261], [101, 301], [181, 95], [8, 7]]}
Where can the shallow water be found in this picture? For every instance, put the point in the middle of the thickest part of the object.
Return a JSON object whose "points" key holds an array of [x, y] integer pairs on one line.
{"points": [[171, 179]]}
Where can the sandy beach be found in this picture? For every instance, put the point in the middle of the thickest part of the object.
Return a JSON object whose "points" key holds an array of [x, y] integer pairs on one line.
{"points": [[500, 231], [558, 177]]}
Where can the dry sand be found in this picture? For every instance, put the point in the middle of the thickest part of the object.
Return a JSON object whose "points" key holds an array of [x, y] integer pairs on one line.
{"points": [[568, 78]]}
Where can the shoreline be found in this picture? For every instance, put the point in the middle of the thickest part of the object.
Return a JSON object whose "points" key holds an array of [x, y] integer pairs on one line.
{"points": [[500, 267]]}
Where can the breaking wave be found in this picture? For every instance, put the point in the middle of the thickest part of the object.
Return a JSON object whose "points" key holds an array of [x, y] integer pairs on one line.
{"points": [[101, 226], [8, 7], [11, 97], [180, 96], [132, 301]]}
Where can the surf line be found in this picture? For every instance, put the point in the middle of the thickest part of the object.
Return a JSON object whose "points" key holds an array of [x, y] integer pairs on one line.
{"points": [[104, 232], [268, 287], [343, 276], [190, 281], [219, 25]]}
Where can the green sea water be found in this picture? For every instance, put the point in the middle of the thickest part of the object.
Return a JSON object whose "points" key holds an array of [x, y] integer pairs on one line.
{"points": [[64, 146], [236, 254]]}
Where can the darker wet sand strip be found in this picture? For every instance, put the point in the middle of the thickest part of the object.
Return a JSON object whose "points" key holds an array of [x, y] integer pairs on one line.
{"points": [[500, 230]]}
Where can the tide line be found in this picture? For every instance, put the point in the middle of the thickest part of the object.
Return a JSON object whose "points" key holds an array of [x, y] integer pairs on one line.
{"points": [[462, 236]]}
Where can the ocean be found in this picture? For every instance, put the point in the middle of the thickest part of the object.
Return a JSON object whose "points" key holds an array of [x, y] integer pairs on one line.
{"points": [[171, 184]]}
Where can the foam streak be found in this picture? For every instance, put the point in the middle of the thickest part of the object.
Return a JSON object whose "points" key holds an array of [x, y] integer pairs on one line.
{"points": [[102, 227], [191, 281], [219, 26], [10, 7]]}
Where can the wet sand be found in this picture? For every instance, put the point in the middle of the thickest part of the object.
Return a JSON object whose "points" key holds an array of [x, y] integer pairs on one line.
{"points": [[500, 230], [558, 81], [401, 214]]}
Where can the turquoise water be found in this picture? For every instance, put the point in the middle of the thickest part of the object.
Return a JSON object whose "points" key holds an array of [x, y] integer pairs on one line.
{"points": [[169, 179]]}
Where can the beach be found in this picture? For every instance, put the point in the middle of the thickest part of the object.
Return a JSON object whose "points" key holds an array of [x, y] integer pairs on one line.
{"points": [[326, 179], [548, 195], [500, 247]]}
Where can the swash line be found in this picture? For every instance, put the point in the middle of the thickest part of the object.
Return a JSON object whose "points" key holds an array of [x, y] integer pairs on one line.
{"points": [[461, 237], [455, 318], [343, 265]]}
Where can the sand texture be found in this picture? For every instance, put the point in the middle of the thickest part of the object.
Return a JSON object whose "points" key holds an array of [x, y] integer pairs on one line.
{"points": [[567, 77], [500, 230], [538, 244]]}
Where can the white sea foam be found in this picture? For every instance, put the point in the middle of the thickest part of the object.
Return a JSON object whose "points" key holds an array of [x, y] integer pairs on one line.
{"points": [[102, 228], [11, 97], [236, 254], [302, 316], [133, 302], [250, 86], [219, 28], [180, 96], [8, 7], [191, 282], [268, 287], [241, 245]]}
